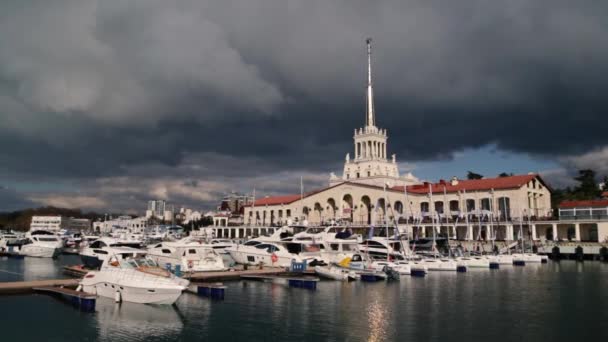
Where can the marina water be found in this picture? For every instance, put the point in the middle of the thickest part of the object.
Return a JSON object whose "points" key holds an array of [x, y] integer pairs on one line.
{"points": [[565, 301]]}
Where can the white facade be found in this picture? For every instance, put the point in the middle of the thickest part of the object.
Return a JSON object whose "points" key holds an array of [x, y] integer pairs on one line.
{"points": [[79, 224], [50, 223], [56, 223], [371, 190], [364, 204], [135, 225]]}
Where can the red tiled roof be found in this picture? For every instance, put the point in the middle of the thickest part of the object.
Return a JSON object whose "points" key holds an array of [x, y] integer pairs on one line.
{"points": [[584, 204], [467, 185], [274, 200], [510, 182], [605, 194]]}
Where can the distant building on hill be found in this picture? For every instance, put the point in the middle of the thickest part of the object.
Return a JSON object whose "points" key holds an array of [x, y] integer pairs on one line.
{"points": [[57, 223], [234, 203]]}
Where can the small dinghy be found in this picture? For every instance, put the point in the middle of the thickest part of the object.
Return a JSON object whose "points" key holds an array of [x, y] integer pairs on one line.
{"points": [[335, 273]]}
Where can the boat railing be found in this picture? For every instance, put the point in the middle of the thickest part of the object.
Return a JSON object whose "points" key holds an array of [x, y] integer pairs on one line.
{"points": [[137, 275]]}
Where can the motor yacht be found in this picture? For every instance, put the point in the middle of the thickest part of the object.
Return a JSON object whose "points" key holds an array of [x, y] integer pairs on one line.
{"points": [[128, 275], [401, 267], [96, 252], [440, 264], [41, 246], [335, 273], [475, 261], [254, 252], [528, 258], [190, 256]]}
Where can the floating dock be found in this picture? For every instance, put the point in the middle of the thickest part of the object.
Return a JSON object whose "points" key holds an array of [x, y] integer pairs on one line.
{"points": [[304, 282], [213, 291], [80, 300], [20, 287]]}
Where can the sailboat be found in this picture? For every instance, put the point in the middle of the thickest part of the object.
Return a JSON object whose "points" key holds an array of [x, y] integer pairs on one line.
{"points": [[437, 263], [523, 257]]}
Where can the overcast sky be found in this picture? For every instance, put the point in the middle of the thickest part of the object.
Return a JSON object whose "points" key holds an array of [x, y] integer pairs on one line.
{"points": [[106, 104]]}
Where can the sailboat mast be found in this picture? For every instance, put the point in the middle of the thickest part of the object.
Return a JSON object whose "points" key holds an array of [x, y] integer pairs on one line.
{"points": [[433, 219]]}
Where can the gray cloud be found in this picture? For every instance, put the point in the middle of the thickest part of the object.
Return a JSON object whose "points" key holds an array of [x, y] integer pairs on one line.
{"points": [[103, 91], [12, 200]]}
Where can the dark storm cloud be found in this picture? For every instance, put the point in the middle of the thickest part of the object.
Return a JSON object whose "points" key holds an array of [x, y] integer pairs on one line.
{"points": [[97, 90], [12, 200]]}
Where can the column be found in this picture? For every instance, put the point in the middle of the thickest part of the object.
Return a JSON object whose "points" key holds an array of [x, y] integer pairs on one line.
{"points": [[577, 231], [555, 232], [509, 232], [534, 232], [469, 233]]}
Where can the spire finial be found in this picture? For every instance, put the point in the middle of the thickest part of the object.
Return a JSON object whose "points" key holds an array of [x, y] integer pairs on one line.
{"points": [[370, 117]]}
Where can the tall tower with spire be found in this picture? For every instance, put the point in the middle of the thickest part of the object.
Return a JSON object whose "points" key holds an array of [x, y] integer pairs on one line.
{"points": [[370, 164]]}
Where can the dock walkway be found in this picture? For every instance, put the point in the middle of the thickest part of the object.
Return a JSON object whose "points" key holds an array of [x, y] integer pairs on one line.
{"points": [[19, 287]]}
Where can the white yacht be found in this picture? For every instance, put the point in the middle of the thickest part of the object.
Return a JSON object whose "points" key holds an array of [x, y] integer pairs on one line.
{"points": [[128, 275], [96, 252], [7, 239], [221, 246], [475, 261], [191, 256], [379, 247], [254, 252], [501, 259], [335, 273], [528, 257], [330, 233], [402, 267], [41, 246], [440, 264]]}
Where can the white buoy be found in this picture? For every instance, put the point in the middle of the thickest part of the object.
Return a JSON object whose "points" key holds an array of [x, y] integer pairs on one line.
{"points": [[117, 298]]}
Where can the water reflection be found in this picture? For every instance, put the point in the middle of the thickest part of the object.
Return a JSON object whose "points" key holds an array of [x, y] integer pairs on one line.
{"points": [[130, 322], [377, 320], [38, 268]]}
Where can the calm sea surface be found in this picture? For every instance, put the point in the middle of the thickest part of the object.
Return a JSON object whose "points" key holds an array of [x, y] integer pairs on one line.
{"points": [[564, 301]]}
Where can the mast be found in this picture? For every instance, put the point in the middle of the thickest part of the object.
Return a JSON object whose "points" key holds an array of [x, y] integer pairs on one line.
{"points": [[433, 219], [255, 216], [370, 115], [386, 224]]}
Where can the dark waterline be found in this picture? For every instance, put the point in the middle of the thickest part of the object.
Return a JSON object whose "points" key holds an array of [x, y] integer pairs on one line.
{"points": [[565, 301]]}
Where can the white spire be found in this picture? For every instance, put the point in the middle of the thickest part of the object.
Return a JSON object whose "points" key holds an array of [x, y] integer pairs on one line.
{"points": [[370, 117]]}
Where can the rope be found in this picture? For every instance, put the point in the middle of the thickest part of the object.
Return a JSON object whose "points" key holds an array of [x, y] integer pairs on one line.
{"points": [[16, 273]]}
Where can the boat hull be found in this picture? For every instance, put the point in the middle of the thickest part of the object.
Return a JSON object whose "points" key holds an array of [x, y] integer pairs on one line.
{"points": [[39, 251], [133, 287], [195, 265]]}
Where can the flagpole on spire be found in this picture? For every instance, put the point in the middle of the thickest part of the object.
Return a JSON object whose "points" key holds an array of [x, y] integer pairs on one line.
{"points": [[370, 94]]}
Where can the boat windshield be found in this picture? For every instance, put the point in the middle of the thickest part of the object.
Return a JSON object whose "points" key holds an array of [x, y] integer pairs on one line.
{"points": [[46, 239], [140, 262], [315, 230]]}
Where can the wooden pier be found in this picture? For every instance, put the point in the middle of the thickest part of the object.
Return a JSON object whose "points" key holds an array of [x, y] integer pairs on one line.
{"points": [[78, 271], [20, 287]]}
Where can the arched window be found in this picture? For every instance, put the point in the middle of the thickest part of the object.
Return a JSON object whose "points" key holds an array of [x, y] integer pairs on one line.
{"points": [[504, 205], [470, 205], [424, 207], [454, 206], [485, 204], [439, 206]]}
